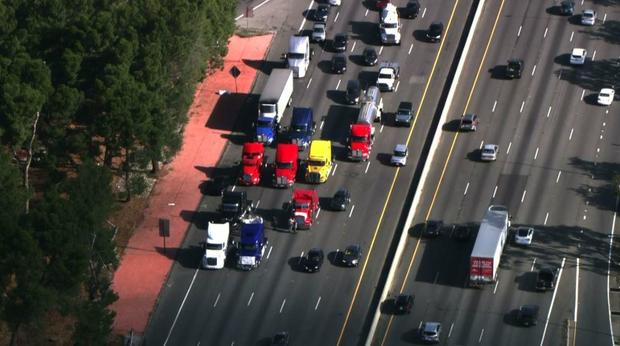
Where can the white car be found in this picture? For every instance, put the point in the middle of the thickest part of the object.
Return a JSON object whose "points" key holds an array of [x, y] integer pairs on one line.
{"points": [[335, 2], [399, 157], [606, 96], [578, 56], [588, 17], [318, 32], [489, 152], [524, 236]]}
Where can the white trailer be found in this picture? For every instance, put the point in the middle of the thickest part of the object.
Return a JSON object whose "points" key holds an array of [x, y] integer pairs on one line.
{"points": [[299, 55], [277, 94], [487, 251], [216, 245]]}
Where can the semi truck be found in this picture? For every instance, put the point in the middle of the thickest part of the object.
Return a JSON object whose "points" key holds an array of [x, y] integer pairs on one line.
{"points": [[302, 127], [252, 160], [389, 25], [304, 207], [276, 96], [285, 169], [252, 244], [299, 55], [234, 206], [362, 134], [215, 245], [319, 163], [489, 245]]}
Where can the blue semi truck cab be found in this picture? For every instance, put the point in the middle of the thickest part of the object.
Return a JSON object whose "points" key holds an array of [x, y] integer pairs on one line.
{"points": [[251, 246], [302, 127]]}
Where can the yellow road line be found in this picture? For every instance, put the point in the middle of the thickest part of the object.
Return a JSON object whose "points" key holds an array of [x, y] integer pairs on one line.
{"points": [[374, 237], [445, 166]]}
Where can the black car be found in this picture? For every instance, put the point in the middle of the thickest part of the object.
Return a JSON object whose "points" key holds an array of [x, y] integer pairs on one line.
{"points": [[433, 228], [434, 32], [339, 64], [341, 200], [313, 260], [567, 7], [370, 56], [217, 186], [351, 255], [280, 339], [462, 232], [410, 10], [403, 304], [514, 68], [469, 122], [340, 42], [545, 279], [321, 13], [354, 91], [404, 115], [527, 315]]}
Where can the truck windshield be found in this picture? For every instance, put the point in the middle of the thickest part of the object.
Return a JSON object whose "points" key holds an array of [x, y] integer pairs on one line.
{"points": [[263, 123], [384, 76], [390, 25], [302, 205], [211, 246], [284, 165], [295, 56], [359, 139], [319, 163], [267, 108], [249, 247]]}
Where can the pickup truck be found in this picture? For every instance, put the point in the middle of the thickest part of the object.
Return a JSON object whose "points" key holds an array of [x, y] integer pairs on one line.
{"points": [[388, 74]]}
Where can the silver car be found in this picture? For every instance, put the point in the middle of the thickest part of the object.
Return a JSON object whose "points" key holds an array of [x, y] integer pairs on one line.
{"points": [[588, 17], [318, 32], [489, 152], [399, 157]]}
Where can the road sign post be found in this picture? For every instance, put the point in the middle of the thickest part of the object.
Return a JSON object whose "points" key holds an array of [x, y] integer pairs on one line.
{"points": [[235, 72], [164, 230]]}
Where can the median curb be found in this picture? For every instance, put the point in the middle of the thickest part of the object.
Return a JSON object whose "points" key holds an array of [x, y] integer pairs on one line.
{"points": [[417, 195]]}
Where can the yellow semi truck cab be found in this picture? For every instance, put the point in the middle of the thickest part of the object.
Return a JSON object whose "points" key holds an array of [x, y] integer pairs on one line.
{"points": [[319, 161]]}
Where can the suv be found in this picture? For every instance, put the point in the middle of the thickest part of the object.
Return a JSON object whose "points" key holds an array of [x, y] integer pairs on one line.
{"points": [[514, 68], [354, 91], [341, 200], [567, 7], [430, 331], [340, 42], [318, 32], [410, 10], [545, 279], [404, 115], [469, 122], [434, 32]]}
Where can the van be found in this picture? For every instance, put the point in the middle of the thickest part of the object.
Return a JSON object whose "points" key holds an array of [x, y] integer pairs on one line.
{"points": [[373, 95]]}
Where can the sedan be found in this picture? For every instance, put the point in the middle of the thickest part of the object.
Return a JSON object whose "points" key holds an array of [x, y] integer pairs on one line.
{"points": [[567, 7], [489, 152], [433, 228], [351, 256], [606, 96], [280, 339], [399, 157], [434, 32], [527, 315], [524, 236], [410, 10], [403, 304], [370, 56], [318, 32], [321, 13], [340, 42], [353, 92], [578, 56], [314, 260], [588, 17], [341, 200], [339, 64], [469, 122]]}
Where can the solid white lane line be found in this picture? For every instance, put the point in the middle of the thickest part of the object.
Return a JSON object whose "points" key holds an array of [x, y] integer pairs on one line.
{"points": [[250, 300], [335, 168], [450, 331], [546, 30], [611, 243], [269, 252], [351, 212], [181, 307], [317, 304], [424, 12], [495, 288], [366, 14], [494, 191], [380, 50], [558, 178], [508, 150], [533, 264], [536, 154], [549, 111], [282, 306], [494, 105], [546, 218], [522, 105], [336, 19], [555, 291], [593, 55], [523, 196], [519, 32], [410, 49], [217, 299], [367, 166], [337, 85], [571, 36], [576, 291], [481, 334], [397, 84], [534, 70], [304, 20], [352, 48], [309, 82], [583, 92], [466, 187]]}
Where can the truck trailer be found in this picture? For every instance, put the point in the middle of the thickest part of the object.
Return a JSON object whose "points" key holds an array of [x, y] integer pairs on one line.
{"points": [[276, 96], [489, 245]]}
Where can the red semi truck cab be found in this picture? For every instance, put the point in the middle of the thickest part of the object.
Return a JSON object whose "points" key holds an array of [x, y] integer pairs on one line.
{"points": [[360, 142], [251, 162], [305, 205], [286, 165]]}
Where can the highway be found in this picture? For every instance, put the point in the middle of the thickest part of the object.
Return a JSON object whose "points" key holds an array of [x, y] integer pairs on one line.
{"points": [[557, 157], [229, 307]]}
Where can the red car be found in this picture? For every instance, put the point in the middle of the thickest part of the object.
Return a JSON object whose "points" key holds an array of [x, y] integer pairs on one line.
{"points": [[251, 163]]}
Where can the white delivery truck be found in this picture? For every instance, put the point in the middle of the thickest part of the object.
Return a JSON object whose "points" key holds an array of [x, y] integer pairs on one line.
{"points": [[487, 251], [276, 96], [299, 55], [215, 245]]}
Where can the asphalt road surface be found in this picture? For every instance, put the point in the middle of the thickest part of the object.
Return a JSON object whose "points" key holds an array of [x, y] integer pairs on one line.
{"points": [[557, 155], [331, 307]]}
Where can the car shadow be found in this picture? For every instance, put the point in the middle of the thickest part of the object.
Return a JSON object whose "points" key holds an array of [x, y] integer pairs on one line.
{"points": [[388, 306], [360, 32], [384, 158], [297, 264], [554, 10], [334, 258], [325, 66], [337, 96], [475, 155], [563, 60], [452, 125], [591, 99], [367, 78], [357, 59], [499, 72], [527, 281], [420, 35], [575, 19]]}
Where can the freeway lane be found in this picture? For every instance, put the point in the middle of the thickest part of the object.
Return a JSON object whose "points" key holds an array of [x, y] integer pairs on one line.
{"points": [[229, 306], [542, 175]]}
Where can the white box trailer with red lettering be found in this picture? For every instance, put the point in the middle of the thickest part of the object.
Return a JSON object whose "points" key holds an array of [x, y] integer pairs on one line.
{"points": [[489, 246]]}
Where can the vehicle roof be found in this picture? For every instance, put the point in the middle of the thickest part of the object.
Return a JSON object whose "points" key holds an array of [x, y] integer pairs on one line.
{"points": [[287, 152], [218, 232], [588, 11], [579, 51], [489, 147], [607, 90], [491, 230], [469, 116], [389, 64], [400, 147], [278, 79], [431, 326], [301, 115], [253, 147], [305, 194], [320, 148], [251, 232], [319, 24], [233, 194], [360, 129]]}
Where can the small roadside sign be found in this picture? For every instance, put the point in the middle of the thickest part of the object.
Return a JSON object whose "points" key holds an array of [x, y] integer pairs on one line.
{"points": [[234, 71]]}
